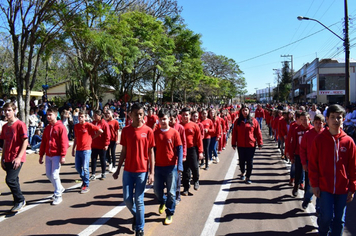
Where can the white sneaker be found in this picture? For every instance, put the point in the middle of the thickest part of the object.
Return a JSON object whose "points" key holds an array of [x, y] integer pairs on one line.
{"points": [[92, 177], [110, 168], [57, 200], [113, 170], [217, 160]]}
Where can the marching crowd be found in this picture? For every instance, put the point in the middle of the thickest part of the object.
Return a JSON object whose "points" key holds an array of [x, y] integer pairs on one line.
{"points": [[167, 145]]}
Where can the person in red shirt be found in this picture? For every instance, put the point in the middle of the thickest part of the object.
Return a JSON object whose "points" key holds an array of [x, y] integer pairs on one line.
{"points": [[305, 152], [332, 172], [169, 161], [215, 137], [259, 115], [194, 151], [54, 144], [152, 119], [245, 135], [114, 139], [173, 122], [137, 142], [208, 129], [100, 145], [296, 138], [82, 148], [14, 134]]}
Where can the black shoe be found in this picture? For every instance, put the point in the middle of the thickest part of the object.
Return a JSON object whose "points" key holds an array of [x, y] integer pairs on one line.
{"points": [[185, 193], [305, 205], [248, 181], [18, 206], [139, 233], [133, 224], [295, 192], [196, 185]]}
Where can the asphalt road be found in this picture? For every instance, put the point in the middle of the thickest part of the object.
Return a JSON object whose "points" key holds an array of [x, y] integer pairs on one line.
{"points": [[224, 205]]}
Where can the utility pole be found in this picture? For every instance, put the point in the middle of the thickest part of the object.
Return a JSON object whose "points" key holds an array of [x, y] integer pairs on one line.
{"points": [[256, 94], [269, 92], [292, 74], [278, 77]]}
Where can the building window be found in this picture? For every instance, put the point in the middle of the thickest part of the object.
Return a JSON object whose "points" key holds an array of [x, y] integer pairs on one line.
{"points": [[314, 84], [331, 82]]}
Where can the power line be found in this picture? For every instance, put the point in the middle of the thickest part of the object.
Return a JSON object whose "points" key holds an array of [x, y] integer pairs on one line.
{"points": [[284, 45]]}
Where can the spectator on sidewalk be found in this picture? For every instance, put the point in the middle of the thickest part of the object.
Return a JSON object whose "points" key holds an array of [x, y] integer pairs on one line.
{"points": [[332, 172], [36, 140], [137, 142], [14, 134], [54, 146]]}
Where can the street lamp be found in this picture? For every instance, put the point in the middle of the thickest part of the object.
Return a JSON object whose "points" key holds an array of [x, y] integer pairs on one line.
{"points": [[347, 50]]}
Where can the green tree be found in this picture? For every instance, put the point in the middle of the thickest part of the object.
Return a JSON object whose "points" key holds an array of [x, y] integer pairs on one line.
{"points": [[34, 27]]}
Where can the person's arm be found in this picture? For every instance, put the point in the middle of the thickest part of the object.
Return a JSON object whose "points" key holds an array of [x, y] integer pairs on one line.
{"points": [[3, 156], [258, 134], [152, 165], [234, 136], [313, 169], [74, 146], [352, 173], [180, 158], [98, 133], [17, 161], [121, 161], [303, 152]]}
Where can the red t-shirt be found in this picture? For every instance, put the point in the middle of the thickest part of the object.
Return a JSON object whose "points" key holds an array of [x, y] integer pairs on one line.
{"points": [[114, 127], [14, 136], [83, 134], [209, 125], [151, 121], [137, 142], [166, 143], [193, 136]]}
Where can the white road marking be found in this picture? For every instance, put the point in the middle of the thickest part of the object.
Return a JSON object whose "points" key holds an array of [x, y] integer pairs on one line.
{"points": [[105, 218], [212, 224], [36, 203]]}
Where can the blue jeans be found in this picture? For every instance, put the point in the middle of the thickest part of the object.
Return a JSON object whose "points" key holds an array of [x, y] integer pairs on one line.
{"points": [[259, 119], [31, 132], [331, 218], [131, 180], [308, 193], [212, 148], [82, 159], [166, 176], [36, 146], [53, 167]]}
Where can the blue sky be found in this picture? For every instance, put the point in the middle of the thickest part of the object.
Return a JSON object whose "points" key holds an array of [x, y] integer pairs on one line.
{"points": [[244, 29]]}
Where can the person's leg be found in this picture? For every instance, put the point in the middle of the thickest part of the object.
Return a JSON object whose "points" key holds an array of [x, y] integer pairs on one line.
{"points": [[86, 161], [102, 154], [49, 171], [112, 152], [298, 173], [158, 184], [79, 159], [338, 222], [206, 145], [12, 181], [194, 165], [94, 157], [308, 193], [250, 152], [178, 187], [215, 150], [36, 146], [140, 184], [211, 148], [56, 166], [186, 174], [171, 181], [241, 152], [127, 187], [326, 213]]}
